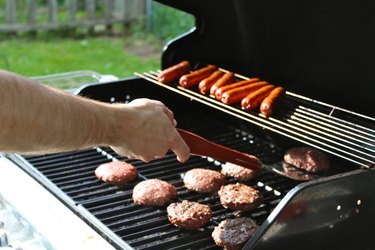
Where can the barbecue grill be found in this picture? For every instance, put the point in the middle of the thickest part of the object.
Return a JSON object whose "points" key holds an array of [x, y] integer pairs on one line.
{"points": [[306, 48]]}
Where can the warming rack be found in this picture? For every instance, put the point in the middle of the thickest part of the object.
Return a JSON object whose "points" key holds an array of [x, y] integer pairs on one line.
{"points": [[337, 131]]}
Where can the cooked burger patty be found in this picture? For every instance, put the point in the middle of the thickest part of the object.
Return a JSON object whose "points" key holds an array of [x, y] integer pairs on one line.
{"points": [[309, 159], [232, 234], [116, 172], [239, 197], [154, 192], [237, 172], [189, 214], [203, 180], [298, 174]]}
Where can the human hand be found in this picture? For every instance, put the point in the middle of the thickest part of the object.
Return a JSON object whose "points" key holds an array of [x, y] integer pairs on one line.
{"points": [[147, 131]]}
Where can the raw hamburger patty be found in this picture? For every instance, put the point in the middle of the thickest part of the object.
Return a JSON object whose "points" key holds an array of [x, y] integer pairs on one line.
{"points": [[309, 159], [189, 214], [232, 234], [239, 197], [116, 172], [237, 172], [154, 192], [203, 180]]}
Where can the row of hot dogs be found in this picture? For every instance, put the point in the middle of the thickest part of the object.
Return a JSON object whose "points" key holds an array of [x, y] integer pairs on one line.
{"points": [[251, 93]]}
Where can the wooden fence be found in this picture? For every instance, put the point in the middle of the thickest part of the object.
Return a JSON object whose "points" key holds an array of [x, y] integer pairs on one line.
{"points": [[26, 15]]}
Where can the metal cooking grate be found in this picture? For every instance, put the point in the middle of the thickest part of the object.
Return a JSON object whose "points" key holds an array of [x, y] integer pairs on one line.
{"points": [[148, 227]]}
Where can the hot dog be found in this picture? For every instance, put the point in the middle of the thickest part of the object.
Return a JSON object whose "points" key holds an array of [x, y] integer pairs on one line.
{"points": [[221, 90], [205, 85], [237, 94], [267, 107], [252, 100], [226, 79], [193, 78], [174, 72]]}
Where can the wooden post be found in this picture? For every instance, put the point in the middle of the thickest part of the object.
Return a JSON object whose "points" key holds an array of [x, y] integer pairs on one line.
{"points": [[52, 15], [31, 17], [109, 14], [72, 5], [90, 9], [11, 11], [148, 15], [31, 12], [90, 12]]}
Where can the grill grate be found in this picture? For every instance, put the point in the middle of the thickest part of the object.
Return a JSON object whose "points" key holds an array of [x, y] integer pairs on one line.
{"points": [[148, 227]]}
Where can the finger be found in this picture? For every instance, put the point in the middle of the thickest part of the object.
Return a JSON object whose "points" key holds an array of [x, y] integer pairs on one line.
{"points": [[170, 115], [180, 148], [146, 159]]}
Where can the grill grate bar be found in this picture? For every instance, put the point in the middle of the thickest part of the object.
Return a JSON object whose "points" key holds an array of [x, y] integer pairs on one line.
{"points": [[358, 145], [122, 221], [355, 130], [45, 159], [127, 207], [153, 231], [143, 225], [174, 240]]}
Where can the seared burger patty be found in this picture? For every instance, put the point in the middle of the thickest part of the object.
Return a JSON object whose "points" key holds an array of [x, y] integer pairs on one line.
{"points": [[239, 197], [232, 234], [238, 172], [307, 158], [203, 180], [116, 172], [189, 214], [154, 192]]}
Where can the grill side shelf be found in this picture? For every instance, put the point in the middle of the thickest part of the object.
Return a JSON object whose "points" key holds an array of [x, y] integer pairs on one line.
{"points": [[32, 169]]}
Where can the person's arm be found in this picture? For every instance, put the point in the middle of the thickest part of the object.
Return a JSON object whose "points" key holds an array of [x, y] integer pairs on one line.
{"points": [[35, 119]]}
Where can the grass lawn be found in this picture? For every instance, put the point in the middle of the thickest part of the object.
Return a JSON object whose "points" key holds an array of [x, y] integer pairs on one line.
{"points": [[119, 56]]}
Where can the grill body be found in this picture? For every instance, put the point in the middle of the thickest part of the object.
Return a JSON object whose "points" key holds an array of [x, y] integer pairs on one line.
{"points": [[336, 209], [318, 49]]}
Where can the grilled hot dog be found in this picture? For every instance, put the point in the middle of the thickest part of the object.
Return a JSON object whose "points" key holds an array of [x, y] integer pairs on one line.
{"points": [[226, 79], [205, 85], [174, 72], [193, 78], [237, 94], [252, 100], [221, 90], [270, 103]]}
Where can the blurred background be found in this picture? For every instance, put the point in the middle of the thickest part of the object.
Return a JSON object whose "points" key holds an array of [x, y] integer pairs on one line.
{"points": [[117, 37]]}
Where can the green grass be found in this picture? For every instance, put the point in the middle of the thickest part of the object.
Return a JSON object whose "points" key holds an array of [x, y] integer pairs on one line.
{"points": [[58, 51], [106, 55]]}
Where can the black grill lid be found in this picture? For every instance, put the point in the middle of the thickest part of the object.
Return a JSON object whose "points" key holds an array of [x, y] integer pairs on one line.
{"points": [[323, 50]]}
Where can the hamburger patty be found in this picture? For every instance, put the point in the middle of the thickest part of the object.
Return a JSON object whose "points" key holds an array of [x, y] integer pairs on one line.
{"points": [[232, 234], [307, 158], [154, 192], [189, 214], [116, 172], [239, 197], [237, 172], [203, 180]]}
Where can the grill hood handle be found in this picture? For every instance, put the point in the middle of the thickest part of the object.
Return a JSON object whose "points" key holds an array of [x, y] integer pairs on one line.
{"points": [[203, 147]]}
